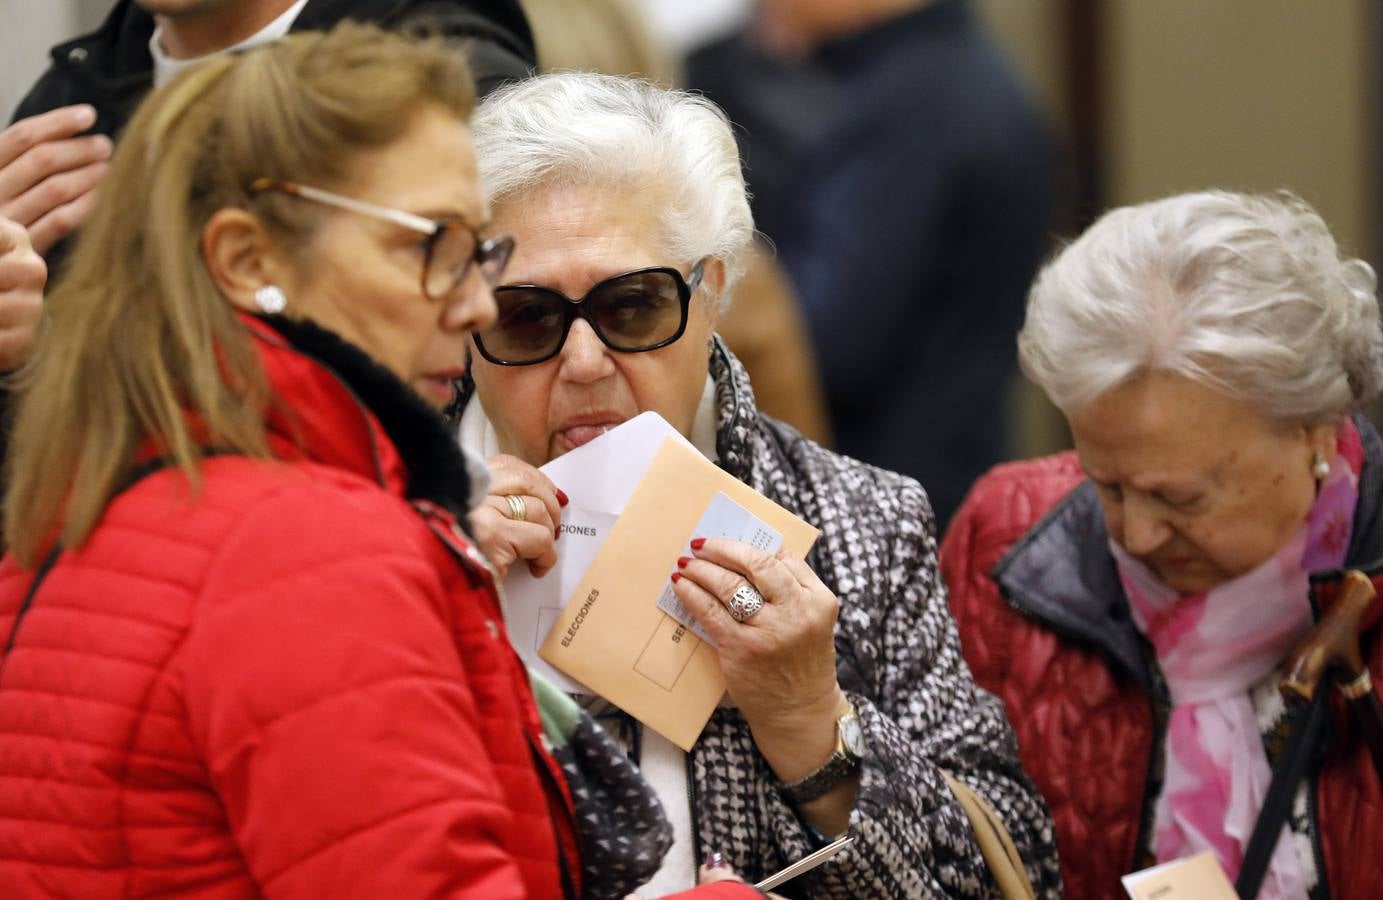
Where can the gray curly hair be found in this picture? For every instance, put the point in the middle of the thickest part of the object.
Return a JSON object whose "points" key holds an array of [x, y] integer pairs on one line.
{"points": [[1246, 293]]}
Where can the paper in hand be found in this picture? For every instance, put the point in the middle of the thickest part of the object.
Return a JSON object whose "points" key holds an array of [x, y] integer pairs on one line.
{"points": [[599, 478], [612, 636], [533, 605], [723, 518]]}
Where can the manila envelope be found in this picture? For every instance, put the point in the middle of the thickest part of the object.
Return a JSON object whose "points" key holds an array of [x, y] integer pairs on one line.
{"points": [[1196, 877], [613, 638]]}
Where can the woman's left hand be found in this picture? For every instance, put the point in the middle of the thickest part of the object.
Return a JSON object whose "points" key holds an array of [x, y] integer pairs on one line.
{"points": [[780, 663]]}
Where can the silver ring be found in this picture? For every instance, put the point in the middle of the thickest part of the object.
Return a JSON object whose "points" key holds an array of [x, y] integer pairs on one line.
{"points": [[518, 510], [745, 603]]}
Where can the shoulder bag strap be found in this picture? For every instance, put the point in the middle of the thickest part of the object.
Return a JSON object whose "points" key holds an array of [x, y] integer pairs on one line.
{"points": [[996, 844]]}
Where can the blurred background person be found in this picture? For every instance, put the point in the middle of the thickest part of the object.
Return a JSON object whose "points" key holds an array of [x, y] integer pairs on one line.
{"points": [[905, 176], [1132, 602], [764, 326], [851, 702], [607, 36], [248, 644], [55, 152]]}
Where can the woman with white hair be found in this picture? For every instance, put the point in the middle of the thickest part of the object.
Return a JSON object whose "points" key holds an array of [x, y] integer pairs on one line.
{"points": [[851, 702], [1133, 602]]}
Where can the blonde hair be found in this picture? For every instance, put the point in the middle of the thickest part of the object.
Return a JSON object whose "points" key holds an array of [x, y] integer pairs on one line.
{"points": [[137, 342]]}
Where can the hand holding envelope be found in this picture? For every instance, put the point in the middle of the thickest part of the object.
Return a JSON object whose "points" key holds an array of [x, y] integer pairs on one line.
{"points": [[606, 633], [506, 536], [613, 637], [599, 477], [780, 666]]}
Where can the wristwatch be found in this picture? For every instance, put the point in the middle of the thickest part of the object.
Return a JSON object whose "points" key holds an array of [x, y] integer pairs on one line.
{"points": [[843, 762]]}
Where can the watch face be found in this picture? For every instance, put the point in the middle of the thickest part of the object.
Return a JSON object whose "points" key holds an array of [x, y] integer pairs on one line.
{"points": [[852, 735]]}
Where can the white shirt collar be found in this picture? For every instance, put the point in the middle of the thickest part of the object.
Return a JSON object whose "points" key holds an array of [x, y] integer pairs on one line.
{"points": [[165, 67]]}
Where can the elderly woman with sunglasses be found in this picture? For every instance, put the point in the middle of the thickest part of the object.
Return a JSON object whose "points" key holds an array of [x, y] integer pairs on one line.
{"points": [[851, 704], [249, 648]]}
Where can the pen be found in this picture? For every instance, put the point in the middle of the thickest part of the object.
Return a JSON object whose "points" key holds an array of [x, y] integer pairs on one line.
{"points": [[805, 864]]}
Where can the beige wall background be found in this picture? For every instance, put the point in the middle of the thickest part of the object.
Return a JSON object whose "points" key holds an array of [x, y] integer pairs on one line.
{"points": [[1251, 95], [1243, 94]]}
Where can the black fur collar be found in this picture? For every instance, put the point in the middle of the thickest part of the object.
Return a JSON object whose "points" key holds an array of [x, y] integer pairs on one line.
{"points": [[436, 467]]}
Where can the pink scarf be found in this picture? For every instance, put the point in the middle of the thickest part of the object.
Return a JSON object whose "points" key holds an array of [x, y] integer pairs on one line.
{"points": [[1212, 647]]}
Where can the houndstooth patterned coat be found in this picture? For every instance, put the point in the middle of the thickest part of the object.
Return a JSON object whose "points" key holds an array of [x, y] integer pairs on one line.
{"points": [[899, 659]]}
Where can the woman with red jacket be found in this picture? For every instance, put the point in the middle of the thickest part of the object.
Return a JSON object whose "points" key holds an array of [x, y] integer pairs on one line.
{"points": [[1133, 602], [249, 647]]}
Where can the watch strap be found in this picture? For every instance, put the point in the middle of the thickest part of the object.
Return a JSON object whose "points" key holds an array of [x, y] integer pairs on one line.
{"points": [[824, 780]]}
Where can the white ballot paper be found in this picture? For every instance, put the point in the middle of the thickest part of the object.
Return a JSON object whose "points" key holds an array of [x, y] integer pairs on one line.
{"points": [[533, 604], [601, 476], [723, 518], [598, 478]]}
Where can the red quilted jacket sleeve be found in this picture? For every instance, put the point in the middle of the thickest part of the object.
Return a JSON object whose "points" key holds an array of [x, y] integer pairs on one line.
{"points": [[1001, 507], [333, 712]]}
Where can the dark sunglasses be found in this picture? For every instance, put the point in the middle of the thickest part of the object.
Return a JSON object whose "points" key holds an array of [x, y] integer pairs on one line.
{"points": [[632, 313]]}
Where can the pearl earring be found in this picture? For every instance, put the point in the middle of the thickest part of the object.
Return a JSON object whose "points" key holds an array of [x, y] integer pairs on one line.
{"points": [[270, 299], [1320, 466]]}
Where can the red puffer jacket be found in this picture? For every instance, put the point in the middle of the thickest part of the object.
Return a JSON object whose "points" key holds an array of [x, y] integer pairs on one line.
{"points": [[295, 684], [1044, 625]]}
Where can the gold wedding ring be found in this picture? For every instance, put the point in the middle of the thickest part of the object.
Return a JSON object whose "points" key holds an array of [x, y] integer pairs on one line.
{"points": [[518, 510]]}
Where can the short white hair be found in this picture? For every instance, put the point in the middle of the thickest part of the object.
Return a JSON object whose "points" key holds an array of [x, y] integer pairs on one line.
{"points": [[1245, 293], [583, 129]]}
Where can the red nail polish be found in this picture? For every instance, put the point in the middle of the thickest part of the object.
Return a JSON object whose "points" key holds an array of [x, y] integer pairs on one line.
{"points": [[675, 576], [682, 561], [562, 497], [557, 532], [698, 543]]}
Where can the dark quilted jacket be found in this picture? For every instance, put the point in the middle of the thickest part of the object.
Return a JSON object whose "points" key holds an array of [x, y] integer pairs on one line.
{"points": [[899, 659], [1045, 625]]}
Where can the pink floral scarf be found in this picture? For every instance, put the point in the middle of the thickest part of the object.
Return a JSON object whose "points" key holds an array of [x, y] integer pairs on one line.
{"points": [[1214, 646]]}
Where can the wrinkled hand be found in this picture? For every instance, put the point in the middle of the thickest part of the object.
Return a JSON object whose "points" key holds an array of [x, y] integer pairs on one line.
{"points": [[22, 277], [48, 175], [779, 665], [505, 539]]}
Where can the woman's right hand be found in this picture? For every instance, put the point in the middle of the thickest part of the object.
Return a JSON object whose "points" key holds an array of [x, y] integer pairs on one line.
{"points": [[503, 535]]}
